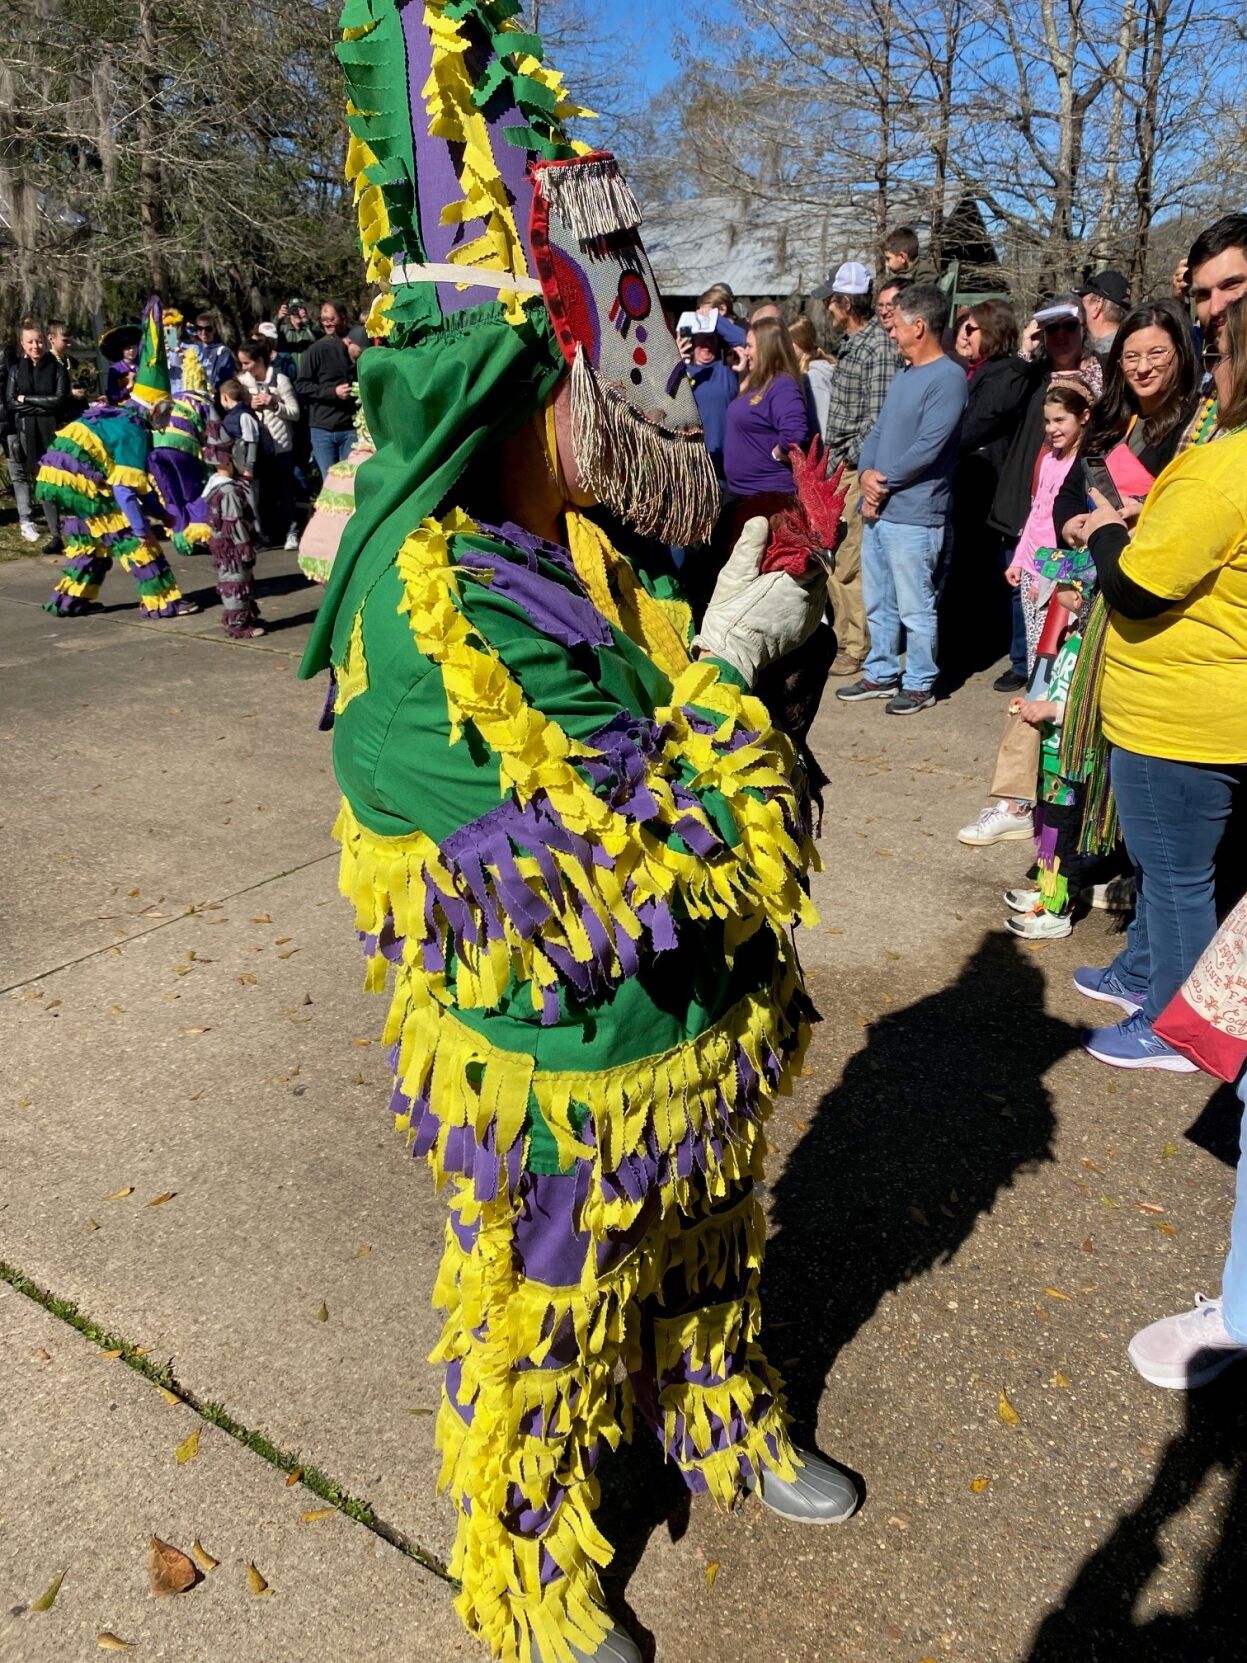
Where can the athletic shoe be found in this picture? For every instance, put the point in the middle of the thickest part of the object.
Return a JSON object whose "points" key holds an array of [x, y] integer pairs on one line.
{"points": [[29, 530], [1009, 682], [1132, 1044], [866, 689], [908, 702], [1107, 986], [1188, 1350], [997, 824], [1022, 900], [292, 541], [1040, 925], [845, 665], [1117, 895]]}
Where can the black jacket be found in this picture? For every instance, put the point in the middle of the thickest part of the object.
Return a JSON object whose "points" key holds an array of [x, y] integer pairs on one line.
{"points": [[324, 366], [36, 397], [998, 397], [1012, 502]]}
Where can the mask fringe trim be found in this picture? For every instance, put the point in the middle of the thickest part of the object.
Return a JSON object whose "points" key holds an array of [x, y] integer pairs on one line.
{"points": [[591, 197]]}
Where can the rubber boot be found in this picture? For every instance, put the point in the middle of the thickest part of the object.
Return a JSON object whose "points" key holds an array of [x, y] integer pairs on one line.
{"points": [[616, 1647], [819, 1494]]}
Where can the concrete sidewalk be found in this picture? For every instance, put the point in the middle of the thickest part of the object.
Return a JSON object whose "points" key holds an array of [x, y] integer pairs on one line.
{"points": [[961, 1204]]}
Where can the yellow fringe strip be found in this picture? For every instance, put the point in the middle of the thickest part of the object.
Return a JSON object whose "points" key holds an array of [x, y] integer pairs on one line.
{"points": [[87, 440], [135, 478], [101, 525], [709, 1336], [604, 572], [50, 475], [719, 1247], [370, 207], [198, 532]]}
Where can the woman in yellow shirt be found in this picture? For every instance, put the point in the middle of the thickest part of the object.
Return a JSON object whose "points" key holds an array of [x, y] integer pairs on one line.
{"points": [[1174, 708]]}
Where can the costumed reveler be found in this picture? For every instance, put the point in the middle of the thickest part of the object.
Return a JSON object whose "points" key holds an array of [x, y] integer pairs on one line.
{"points": [[577, 850], [176, 462], [97, 472]]}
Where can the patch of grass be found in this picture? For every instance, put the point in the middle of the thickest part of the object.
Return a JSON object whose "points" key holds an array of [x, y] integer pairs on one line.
{"points": [[216, 1414], [12, 544]]}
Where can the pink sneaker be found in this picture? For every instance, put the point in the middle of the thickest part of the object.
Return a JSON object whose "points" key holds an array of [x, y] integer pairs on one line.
{"points": [[1188, 1350]]}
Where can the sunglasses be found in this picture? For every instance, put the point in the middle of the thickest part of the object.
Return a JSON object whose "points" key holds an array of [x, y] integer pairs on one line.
{"points": [[205, 328], [1065, 326]]}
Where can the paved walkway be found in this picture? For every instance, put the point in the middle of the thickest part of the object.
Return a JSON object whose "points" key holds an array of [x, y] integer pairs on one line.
{"points": [[961, 1205]]}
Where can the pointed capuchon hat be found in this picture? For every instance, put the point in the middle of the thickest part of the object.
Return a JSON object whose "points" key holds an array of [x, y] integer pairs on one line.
{"points": [[151, 374], [471, 195]]}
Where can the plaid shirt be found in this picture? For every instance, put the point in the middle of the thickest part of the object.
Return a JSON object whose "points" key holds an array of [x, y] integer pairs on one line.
{"points": [[864, 372]]}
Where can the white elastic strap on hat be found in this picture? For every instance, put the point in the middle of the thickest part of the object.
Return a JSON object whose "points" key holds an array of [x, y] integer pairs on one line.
{"points": [[468, 277]]}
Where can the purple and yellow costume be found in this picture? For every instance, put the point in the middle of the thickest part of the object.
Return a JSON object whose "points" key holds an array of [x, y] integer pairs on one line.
{"points": [[575, 855], [176, 461]]}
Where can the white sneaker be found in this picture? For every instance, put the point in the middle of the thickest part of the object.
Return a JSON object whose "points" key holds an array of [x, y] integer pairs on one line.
{"points": [[292, 541], [997, 824], [1038, 925], [1022, 900], [1188, 1350], [29, 530], [1117, 895]]}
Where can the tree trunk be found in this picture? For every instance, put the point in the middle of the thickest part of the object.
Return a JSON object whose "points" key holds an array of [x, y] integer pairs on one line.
{"points": [[147, 129]]}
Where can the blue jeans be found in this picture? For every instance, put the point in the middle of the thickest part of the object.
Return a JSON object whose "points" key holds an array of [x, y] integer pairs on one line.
{"points": [[1173, 816], [329, 447], [898, 587], [1234, 1276], [1018, 656]]}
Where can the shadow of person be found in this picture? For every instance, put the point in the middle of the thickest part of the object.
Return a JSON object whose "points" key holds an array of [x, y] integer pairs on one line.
{"points": [[938, 1112], [641, 1492], [1095, 1623]]}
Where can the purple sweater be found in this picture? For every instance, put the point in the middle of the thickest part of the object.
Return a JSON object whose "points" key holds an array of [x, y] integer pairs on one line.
{"points": [[779, 417]]}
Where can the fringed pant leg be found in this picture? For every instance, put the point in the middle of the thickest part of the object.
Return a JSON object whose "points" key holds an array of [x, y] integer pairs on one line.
{"points": [[704, 1383], [235, 581], [159, 595], [539, 1319]]}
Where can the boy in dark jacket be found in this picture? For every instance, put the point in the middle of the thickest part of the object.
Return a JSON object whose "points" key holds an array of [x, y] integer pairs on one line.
{"points": [[36, 398]]}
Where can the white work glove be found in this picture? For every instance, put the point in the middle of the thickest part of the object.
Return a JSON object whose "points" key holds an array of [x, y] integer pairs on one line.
{"points": [[756, 617]]}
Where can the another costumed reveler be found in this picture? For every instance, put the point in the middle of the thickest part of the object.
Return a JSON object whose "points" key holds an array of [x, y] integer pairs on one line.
{"points": [[575, 845], [97, 472], [176, 463]]}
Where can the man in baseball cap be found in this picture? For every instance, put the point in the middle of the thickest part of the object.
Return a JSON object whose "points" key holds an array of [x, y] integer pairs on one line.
{"points": [[864, 369], [1106, 300]]}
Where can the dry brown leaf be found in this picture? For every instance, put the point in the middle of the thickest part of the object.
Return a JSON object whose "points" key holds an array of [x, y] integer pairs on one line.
{"points": [[47, 1599], [1148, 1207], [323, 1314], [361, 1042], [712, 1570], [255, 1581], [281, 940], [107, 1641], [1088, 1245], [1007, 1412], [120, 1195], [141, 1351], [1169, 1150], [171, 1571], [295, 1476], [1166, 1229], [316, 1514], [43, 1356], [261, 918], [247, 979], [92, 1225], [203, 1558], [918, 1216], [188, 1449], [110, 1356], [1059, 1380], [169, 1397], [1109, 1202], [289, 953], [362, 1252], [978, 1485], [196, 1030], [1055, 1293], [159, 1200]]}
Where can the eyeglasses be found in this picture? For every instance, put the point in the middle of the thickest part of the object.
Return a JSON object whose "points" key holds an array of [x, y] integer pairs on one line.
{"points": [[205, 328], [1156, 357]]}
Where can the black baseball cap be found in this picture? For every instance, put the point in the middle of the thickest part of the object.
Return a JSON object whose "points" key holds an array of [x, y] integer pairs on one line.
{"points": [[1109, 285]]}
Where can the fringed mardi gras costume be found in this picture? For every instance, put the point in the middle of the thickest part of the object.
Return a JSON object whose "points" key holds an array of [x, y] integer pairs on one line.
{"points": [[576, 856], [1059, 799], [232, 540], [318, 546], [176, 460], [97, 472]]}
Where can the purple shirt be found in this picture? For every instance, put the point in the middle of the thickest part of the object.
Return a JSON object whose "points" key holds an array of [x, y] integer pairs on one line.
{"points": [[779, 417]]}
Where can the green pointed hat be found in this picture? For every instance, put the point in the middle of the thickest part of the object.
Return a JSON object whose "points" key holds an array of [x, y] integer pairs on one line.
{"points": [[151, 373]]}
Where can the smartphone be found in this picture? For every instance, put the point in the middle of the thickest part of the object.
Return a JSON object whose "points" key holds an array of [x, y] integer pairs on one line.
{"points": [[1102, 480]]}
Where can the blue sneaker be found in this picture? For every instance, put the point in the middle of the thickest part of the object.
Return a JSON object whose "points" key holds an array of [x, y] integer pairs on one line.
{"points": [[1105, 985], [1132, 1044]]}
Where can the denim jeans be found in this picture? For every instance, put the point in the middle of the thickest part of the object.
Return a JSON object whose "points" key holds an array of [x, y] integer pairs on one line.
{"points": [[898, 586], [1173, 816], [1234, 1276], [329, 447]]}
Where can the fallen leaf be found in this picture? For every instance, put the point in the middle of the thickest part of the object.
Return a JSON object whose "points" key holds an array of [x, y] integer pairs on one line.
{"points": [[978, 1485], [361, 1252], [196, 1030], [323, 1314], [188, 1449], [255, 1581], [132, 893], [43, 1356], [1088, 1245], [47, 1600], [1008, 1413], [1148, 1207], [110, 1356], [712, 1570], [247, 979], [159, 1200], [918, 1216], [1058, 1379], [92, 1225], [169, 1397], [1090, 1165], [171, 1571], [203, 1558], [361, 1042], [1109, 1202], [316, 1514], [295, 1476], [289, 953], [1169, 1150], [141, 1351], [419, 1411], [1168, 1229], [120, 1195], [1055, 1293], [112, 1642], [281, 940], [261, 918]]}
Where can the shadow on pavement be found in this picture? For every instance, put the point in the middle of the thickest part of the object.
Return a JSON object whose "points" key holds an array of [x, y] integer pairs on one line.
{"points": [[935, 1115], [1095, 1622]]}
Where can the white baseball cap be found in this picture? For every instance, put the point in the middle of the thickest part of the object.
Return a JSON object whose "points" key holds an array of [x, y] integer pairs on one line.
{"points": [[268, 330], [851, 277]]}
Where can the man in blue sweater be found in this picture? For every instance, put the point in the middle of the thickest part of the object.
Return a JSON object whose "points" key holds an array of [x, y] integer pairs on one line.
{"points": [[905, 472]]}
